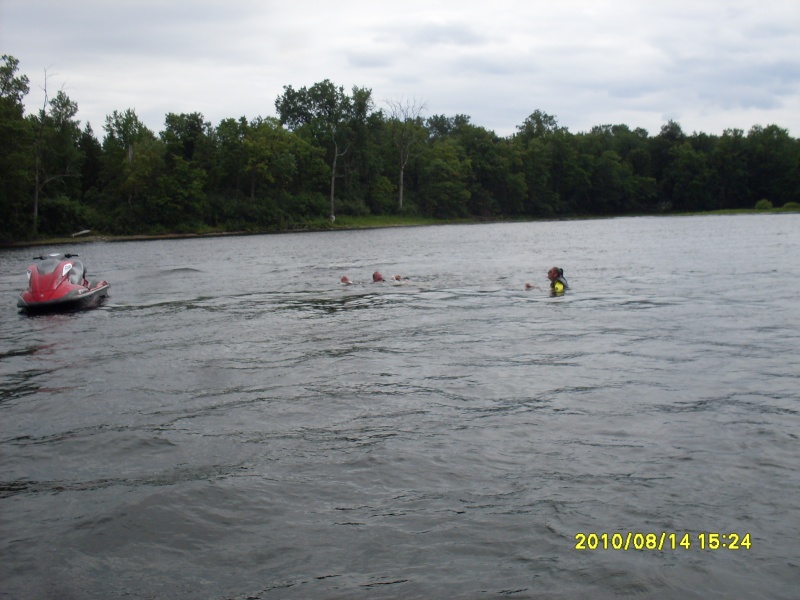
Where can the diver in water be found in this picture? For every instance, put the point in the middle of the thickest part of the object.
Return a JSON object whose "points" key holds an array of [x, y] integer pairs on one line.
{"points": [[557, 281]]}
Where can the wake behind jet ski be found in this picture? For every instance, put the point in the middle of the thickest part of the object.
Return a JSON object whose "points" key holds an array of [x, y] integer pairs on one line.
{"points": [[59, 283]]}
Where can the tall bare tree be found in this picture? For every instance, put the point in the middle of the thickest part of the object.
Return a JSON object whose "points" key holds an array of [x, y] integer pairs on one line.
{"points": [[408, 132], [329, 114], [56, 152]]}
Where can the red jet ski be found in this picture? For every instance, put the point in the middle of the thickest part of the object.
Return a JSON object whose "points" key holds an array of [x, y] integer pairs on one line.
{"points": [[59, 283]]}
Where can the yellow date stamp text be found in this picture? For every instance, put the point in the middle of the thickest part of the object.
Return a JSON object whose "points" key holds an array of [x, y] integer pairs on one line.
{"points": [[663, 540]]}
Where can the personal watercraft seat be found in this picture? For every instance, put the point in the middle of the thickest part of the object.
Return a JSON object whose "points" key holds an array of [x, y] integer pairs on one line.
{"points": [[76, 273]]}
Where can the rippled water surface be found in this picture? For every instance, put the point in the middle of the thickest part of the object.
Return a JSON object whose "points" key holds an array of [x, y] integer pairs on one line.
{"points": [[235, 424]]}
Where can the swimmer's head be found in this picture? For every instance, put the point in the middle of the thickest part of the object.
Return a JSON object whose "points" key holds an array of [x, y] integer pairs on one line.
{"points": [[376, 277]]}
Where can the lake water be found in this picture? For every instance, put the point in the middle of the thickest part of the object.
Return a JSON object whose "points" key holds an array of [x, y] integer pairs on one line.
{"points": [[236, 424]]}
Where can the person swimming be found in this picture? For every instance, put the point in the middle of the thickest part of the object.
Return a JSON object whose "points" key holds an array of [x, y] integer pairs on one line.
{"points": [[557, 281], [376, 278]]}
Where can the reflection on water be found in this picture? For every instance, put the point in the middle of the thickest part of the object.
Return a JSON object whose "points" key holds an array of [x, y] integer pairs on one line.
{"points": [[266, 432]]}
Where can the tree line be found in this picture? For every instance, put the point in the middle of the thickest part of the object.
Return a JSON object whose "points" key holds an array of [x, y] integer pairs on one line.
{"points": [[332, 152]]}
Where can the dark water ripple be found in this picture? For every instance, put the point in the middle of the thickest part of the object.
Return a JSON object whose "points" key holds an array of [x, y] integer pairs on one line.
{"points": [[239, 425]]}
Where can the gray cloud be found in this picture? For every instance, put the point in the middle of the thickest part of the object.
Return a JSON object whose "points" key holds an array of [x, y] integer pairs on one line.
{"points": [[713, 65], [374, 60], [450, 34]]}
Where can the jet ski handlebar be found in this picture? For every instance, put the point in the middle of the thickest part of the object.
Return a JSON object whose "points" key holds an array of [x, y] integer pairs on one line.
{"points": [[46, 256]]}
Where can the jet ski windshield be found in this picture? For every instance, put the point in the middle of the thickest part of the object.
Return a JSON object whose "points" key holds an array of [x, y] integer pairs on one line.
{"points": [[48, 264]]}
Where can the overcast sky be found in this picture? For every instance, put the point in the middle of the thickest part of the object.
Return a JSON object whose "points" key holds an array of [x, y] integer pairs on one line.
{"points": [[709, 65]]}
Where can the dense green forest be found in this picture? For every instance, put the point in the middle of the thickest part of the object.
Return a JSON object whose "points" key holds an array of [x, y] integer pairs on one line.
{"points": [[330, 152]]}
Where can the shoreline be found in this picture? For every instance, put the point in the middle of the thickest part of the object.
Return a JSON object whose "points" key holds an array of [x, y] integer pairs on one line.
{"points": [[144, 237], [84, 239], [100, 237]]}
